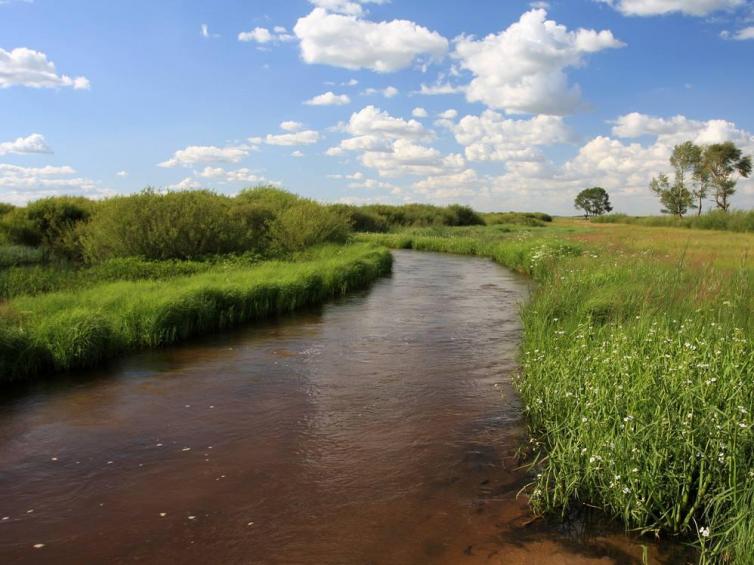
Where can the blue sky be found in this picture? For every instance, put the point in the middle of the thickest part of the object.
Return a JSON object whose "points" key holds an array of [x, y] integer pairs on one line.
{"points": [[502, 105]]}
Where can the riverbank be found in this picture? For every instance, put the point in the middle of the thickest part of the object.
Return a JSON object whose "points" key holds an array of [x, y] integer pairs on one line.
{"points": [[634, 378], [67, 330]]}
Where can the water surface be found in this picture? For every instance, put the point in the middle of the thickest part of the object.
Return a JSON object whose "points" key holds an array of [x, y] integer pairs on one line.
{"points": [[380, 429]]}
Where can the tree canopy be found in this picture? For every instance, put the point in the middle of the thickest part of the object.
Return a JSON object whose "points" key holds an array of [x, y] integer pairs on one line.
{"points": [[593, 201]]}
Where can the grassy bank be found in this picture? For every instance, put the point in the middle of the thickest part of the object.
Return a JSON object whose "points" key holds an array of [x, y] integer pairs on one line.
{"points": [[636, 379], [75, 329]]}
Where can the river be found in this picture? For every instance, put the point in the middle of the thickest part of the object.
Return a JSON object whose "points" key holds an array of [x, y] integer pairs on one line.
{"points": [[381, 428]]}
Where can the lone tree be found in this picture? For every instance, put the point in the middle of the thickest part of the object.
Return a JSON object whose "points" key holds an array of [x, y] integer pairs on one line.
{"points": [[721, 161], [690, 172], [593, 201], [675, 198]]}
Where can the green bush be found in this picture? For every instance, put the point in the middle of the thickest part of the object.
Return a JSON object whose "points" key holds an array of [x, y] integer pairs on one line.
{"points": [[270, 197], [50, 222], [307, 223], [175, 225], [531, 219]]}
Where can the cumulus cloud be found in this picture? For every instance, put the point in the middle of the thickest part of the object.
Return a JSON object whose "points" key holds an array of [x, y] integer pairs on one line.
{"points": [[290, 125], [329, 98], [619, 164], [450, 186], [492, 137], [34, 143], [522, 69], [201, 154], [218, 174], [419, 113], [660, 7], [304, 137], [121, 174], [26, 67], [21, 184], [263, 35], [342, 38]]}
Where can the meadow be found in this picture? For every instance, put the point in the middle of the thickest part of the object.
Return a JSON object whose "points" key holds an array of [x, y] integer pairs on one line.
{"points": [[636, 372]]}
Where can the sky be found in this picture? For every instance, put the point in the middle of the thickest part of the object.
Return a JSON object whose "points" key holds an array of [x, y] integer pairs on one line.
{"points": [[502, 105]]}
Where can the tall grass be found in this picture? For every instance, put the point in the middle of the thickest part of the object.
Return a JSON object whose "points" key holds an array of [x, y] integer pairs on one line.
{"points": [[636, 380], [736, 221], [66, 330]]}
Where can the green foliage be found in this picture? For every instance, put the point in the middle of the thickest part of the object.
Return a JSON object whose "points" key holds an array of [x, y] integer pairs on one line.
{"points": [[532, 219], [16, 255], [270, 197], [424, 215], [593, 201], [721, 162], [174, 225], [362, 220], [308, 223], [65, 330], [676, 199], [50, 222]]}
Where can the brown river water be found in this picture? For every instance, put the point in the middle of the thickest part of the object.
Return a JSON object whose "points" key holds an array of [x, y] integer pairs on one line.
{"points": [[379, 429]]}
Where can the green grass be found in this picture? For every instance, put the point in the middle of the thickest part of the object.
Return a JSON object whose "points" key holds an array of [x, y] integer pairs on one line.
{"points": [[39, 279], [15, 255], [737, 221], [636, 381], [67, 330]]}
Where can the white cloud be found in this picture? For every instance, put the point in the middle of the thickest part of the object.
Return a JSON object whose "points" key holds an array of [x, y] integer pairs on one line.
{"points": [[441, 89], [189, 183], [263, 35], [450, 114], [305, 137], [34, 143], [19, 185], [449, 186], [219, 174], [297, 154], [388, 92], [200, 154], [122, 174], [522, 69], [204, 32], [419, 113], [740, 35], [348, 41], [329, 98], [660, 7], [491, 137], [290, 125], [372, 121], [26, 67]]}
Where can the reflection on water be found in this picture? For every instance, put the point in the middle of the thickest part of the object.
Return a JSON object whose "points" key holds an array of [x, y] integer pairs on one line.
{"points": [[381, 429]]}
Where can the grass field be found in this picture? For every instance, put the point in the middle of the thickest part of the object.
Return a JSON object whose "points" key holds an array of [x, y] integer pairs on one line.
{"points": [[637, 369], [70, 329]]}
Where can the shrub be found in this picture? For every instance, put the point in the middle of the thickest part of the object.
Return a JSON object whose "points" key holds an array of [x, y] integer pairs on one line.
{"points": [[50, 222], [307, 223], [175, 225], [362, 220], [270, 197]]}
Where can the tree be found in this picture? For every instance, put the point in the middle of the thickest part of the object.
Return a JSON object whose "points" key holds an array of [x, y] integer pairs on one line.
{"points": [[721, 161], [675, 198], [690, 173], [593, 201]]}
